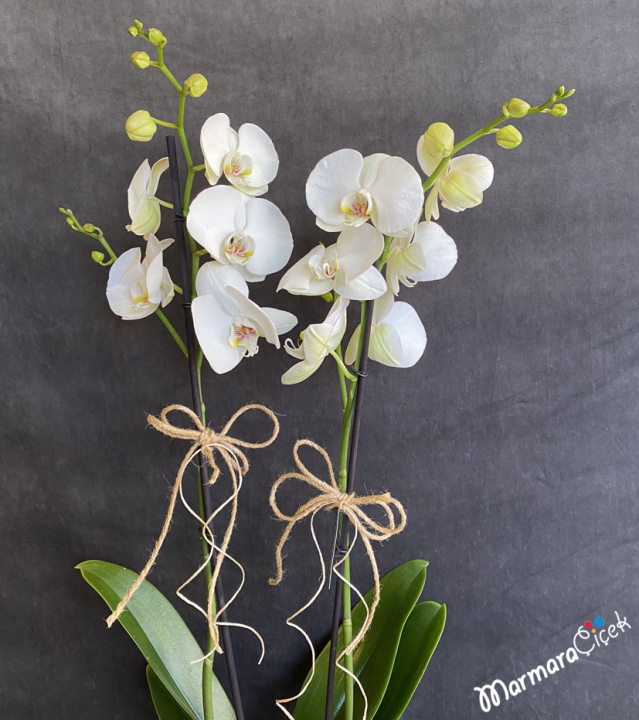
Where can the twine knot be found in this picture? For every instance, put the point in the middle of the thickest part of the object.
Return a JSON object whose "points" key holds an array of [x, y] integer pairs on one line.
{"points": [[207, 442], [331, 497]]}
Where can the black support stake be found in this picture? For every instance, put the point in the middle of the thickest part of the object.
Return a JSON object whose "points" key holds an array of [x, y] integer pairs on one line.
{"points": [[185, 267]]}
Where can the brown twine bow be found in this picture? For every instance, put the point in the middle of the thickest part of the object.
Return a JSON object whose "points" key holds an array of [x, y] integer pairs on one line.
{"points": [[205, 441], [332, 497]]}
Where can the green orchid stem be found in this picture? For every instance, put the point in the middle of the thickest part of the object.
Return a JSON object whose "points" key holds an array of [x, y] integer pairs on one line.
{"points": [[163, 123], [166, 72], [347, 630], [207, 688], [174, 333]]}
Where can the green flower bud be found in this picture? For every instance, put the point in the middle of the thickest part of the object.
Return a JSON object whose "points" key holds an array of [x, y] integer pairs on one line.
{"points": [[97, 257], [141, 59], [516, 108], [140, 126], [70, 222], [558, 110], [569, 93], [133, 31], [560, 90], [138, 25], [89, 227], [196, 85], [508, 137], [156, 37]]}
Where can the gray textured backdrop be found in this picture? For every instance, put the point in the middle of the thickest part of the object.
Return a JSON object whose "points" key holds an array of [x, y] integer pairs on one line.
{"points": [[512, 443]]}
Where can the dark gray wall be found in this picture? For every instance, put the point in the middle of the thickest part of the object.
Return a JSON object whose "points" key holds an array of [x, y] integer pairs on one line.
{"points": [[512, 443]]}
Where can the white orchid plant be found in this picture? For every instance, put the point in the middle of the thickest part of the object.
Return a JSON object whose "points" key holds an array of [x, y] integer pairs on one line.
{"points": [[382, 238]]}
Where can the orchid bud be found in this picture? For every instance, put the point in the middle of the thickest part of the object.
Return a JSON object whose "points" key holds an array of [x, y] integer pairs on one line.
{"points": [[133, 31], [569, 93], [196, 85], [97, 257], [558, 110], [508, 137], [141, 59], [156, 37], [439, 140], [560, 90], [516, 108], [140, 126], [88, 227], [70, 222]]}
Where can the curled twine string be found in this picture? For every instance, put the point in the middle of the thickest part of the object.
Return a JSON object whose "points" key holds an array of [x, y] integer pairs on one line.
{"points": [[330, 498], [205, 441]]}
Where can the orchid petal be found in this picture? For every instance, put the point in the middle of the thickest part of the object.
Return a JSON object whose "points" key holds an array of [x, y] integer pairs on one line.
{"points": [[270, 230], [255, 143], [367, 286], [459, 191], [478, 166], [212, 327], [334, 177], [215, 141], [251, 311], [409, 328], [299, 279], [299, 372], [212, 217], [386, 346], [439, 252], [283, 321], [156, 171], [358, 248], [397, 194], [370, 168], [431, 207], [137, 188]]}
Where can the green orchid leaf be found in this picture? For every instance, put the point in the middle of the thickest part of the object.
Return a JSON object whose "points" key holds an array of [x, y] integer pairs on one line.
{"points": [[161, 635], [420, 637], [165, 705], [373, 658]]}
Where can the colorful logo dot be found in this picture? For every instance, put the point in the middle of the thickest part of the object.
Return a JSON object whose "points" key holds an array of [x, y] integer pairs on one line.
{"points": [[593, 626]]}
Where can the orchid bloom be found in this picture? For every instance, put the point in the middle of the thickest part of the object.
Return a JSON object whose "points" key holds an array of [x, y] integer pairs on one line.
{"points": [[144, 208], [228, 324], [317, 341], [247, 158], [346, 190], [345, 267], [398, 338], [430, 255], [136, 287], [251, 234], [462, 182]]}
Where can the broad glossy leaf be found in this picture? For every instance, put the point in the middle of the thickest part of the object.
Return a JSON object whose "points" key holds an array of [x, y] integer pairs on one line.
{"points": [[161, 635], [374, 656], [420, 637], [165, 705]]}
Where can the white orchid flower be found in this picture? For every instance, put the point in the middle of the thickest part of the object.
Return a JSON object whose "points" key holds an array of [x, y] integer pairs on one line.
{"points": [[346, 267], [136, 287], [430, 255], [345, 189], [144, 207], [251, 234], [398, 338], [247, 157], [462, 182], [317, 342], [228, 324]]}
